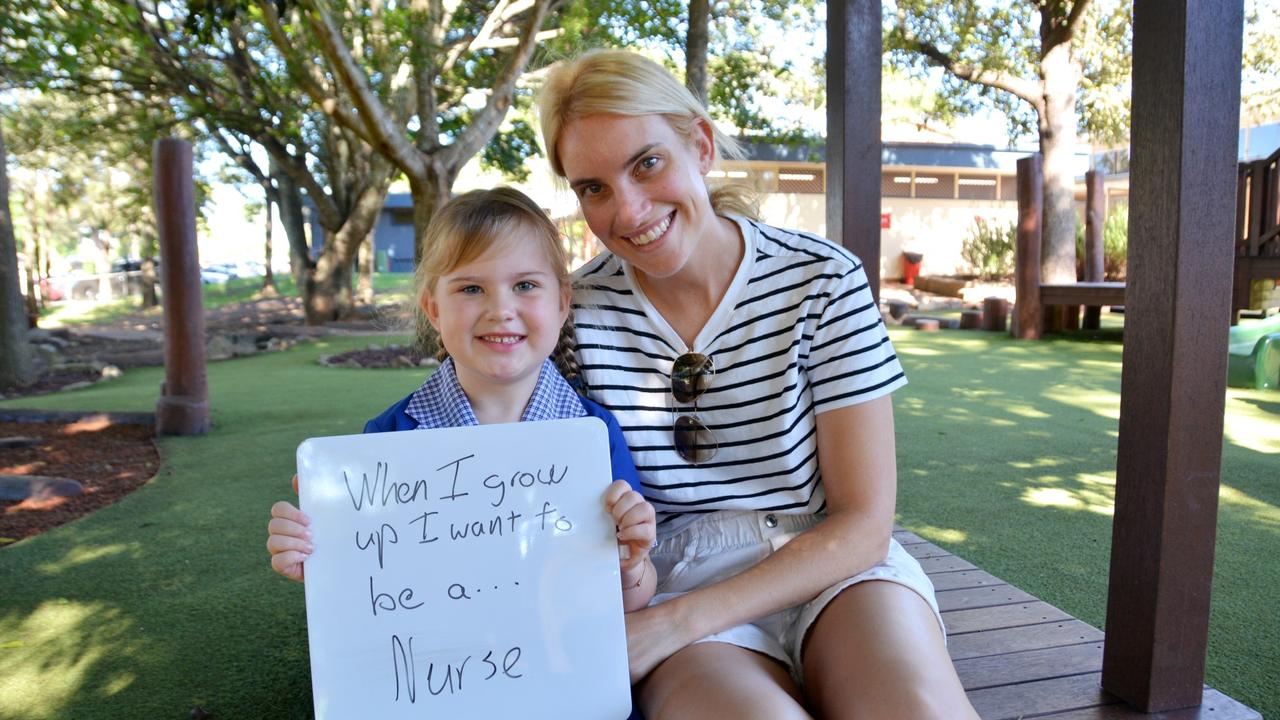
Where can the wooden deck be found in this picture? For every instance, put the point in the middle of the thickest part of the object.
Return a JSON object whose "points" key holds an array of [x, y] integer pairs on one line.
{"points": [[1019, 657]]}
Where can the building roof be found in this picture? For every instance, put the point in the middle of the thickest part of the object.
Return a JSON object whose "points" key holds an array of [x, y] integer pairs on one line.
{"points": [[952, 155]]}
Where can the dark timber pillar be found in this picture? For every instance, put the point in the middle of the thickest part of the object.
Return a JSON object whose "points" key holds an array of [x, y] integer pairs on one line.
{"points": [[1028, 316], [183, 407], [1186, 96], [854, 53], [1095, 216]]}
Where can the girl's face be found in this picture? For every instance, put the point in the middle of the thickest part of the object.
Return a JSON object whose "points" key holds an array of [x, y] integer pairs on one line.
{"points": [[640, 185], [499, 316]]}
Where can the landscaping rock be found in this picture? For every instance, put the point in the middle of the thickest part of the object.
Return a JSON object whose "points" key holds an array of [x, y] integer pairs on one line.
{"points": [[37, 487]]}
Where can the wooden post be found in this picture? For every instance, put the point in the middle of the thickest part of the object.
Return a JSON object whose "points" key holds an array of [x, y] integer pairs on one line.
{"points": [[183, 407], [1095, 216], [1186, 96], [1028, 320], [854, 53]]}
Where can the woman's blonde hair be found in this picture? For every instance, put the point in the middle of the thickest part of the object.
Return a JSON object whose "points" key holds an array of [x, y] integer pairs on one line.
{"points": [[469, 225], [619, 82]]}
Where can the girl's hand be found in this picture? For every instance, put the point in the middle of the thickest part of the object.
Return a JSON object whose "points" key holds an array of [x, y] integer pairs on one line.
{"points": [[288, 539], [634, 518]]}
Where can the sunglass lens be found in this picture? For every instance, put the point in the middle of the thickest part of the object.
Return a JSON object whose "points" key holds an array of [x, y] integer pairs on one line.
{"points": [[694, 441], [689, 376]]}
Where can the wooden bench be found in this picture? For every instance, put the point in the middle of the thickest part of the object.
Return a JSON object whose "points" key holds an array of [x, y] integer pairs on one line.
{"points": [[1018, 656]]}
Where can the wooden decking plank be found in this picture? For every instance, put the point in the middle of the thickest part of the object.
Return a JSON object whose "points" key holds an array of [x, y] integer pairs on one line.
{"points": [[1029, 665], [924, 550], [906, 537], [1214, 706], [962, 579], [1009, 702], [980, 597], [1027, 637], [948, 563], [1001, 616]]}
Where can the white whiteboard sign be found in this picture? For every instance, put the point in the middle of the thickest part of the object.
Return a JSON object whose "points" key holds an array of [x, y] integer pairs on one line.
{"points": [[464, 573]]}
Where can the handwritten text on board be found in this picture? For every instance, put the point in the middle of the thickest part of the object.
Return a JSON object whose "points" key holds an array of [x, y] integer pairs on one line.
{"points": [[464, 572]]}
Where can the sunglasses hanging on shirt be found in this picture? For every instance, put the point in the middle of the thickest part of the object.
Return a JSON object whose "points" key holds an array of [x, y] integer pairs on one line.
{"points": [[690, 375]]}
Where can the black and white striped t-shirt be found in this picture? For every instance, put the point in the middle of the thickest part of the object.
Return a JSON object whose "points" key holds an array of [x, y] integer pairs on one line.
{"points": [[797, 333]]}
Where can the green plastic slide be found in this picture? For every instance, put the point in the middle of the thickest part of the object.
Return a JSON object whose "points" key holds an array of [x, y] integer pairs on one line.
{"points": [[1253, 359]]}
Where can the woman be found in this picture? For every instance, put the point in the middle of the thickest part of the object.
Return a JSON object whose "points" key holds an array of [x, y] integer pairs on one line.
{"points": [[750, 371]]}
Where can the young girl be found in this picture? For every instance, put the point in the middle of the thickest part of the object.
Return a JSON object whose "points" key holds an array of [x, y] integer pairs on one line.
{"points": [[494, 284]]}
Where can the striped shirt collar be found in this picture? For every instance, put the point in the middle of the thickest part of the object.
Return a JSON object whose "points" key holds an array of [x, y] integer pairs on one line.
{"points": [[440, 402]]}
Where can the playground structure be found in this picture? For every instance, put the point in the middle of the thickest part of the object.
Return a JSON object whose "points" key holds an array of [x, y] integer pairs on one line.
{"points": [[1257, 235], [1186, 92], [1253, 355]]}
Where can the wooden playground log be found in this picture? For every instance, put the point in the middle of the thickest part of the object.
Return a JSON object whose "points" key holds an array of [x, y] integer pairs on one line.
{"points": [[183, 407], [970, 319], [994, 312], [1028, 319]]}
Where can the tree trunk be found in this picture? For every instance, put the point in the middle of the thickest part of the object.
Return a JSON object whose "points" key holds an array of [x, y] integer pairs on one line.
{"points": [[16, 367], [104, 269], [330, 283], [289, 203], [695, 49], [31, 261], [149, 279], [268, 277], [364, 286], [1057, 122], [428, 194]]}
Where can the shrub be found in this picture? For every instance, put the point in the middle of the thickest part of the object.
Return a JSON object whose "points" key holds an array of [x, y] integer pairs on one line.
{"points": [[1115, 243], [988, 251]]}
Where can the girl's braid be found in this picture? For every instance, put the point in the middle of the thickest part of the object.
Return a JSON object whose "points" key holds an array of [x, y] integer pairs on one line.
{"points": [[565, 356]]}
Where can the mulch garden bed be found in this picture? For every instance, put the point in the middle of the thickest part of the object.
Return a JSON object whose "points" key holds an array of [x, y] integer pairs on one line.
{"points": [[110, 460]]}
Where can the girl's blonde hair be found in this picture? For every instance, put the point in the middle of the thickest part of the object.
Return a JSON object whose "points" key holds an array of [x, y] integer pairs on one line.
{"points": [[469, 225], [619, 82]]}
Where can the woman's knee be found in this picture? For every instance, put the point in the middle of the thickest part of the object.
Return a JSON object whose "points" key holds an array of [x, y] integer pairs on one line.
{"points": [[708, 680]]}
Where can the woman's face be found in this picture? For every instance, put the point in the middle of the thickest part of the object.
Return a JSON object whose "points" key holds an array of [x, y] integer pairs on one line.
{"points": [[640, 185]]}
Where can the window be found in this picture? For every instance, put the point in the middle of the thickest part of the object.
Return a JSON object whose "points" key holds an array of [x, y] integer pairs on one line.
{"points": [[976, 187], [801, 180], [895, 184], [935, 185]]}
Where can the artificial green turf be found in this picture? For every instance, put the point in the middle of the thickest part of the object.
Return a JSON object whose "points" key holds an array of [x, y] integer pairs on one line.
{"points": [[1006, 455]]}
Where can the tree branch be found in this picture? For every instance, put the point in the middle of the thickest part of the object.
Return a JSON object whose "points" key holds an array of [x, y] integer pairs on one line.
{"points": [[1012, 84], [380, 131], [485, 123]]}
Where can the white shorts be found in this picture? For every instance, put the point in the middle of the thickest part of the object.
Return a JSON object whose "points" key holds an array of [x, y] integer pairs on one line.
{"points": [[722, 544]]}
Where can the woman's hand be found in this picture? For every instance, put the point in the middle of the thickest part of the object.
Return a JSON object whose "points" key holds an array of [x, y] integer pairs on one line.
{"points": [[288, 539], [653, 635]]}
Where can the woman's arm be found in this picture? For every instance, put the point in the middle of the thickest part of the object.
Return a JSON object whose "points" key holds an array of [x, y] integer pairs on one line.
{"points": [[857, 460]]}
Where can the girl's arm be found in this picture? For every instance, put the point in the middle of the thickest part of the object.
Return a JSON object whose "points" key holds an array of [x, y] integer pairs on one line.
{"points": [[859, 473]]}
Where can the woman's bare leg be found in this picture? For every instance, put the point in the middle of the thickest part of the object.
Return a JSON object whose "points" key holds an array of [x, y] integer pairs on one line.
{"points": [[719, 680], [877, 652]]}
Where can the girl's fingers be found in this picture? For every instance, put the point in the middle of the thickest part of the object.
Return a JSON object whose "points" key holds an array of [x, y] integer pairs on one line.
{"points": [[284, 543], [287, 511], [616, 490], [290, 528], [639, 513], [289, 565]]}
